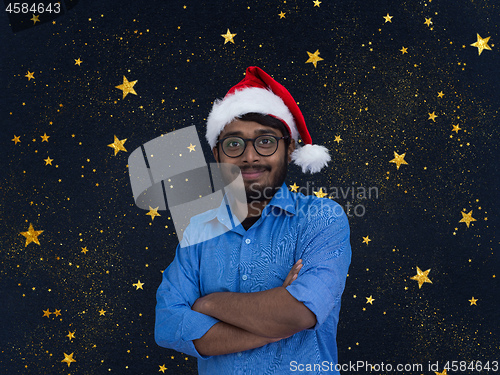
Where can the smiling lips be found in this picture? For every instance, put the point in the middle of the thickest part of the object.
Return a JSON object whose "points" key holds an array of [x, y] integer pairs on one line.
{"points": [[252, 173]]}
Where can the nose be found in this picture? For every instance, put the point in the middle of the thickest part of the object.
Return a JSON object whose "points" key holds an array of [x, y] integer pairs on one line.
{"points": [[250, 155]]}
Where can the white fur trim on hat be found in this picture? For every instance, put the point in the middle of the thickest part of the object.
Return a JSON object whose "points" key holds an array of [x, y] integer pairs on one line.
{"points": [[247, 100], [311, 158]]}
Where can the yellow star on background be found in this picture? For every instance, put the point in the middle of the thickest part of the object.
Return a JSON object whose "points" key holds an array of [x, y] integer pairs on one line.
{"points": [[102, 312], [366, 239], [16, 139], [473, 301], [481, 44], [35, 19], [84, 250], [57, 312], [432, 116], [404, 50], [153, 212], [31, 235], [441, 373], [78, 61], [421, 277], [117, 145], [294, 187], [48, 161], [30, 75], [428, 21], [388, 18], [282, 15], [138, 285], [46, 313], [68, 359], [369, 300], [70, 335], [337, 139], [316, 3], [320, 193], [314, 58], [456, 128], [127, 87], [440, 94], [467, 218], [228, 37], [162, 368], [398, 159], [45, 137], [191, 147]]}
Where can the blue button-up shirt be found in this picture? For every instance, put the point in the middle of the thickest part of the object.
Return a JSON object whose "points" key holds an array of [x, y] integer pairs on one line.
{"points": [[292, 227]]}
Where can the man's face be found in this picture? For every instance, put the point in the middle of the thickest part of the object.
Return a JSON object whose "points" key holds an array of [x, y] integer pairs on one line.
{"points": [[262, 175]]}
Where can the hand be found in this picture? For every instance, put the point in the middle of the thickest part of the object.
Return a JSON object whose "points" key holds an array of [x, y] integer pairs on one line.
{"points": [[292, 275], [199, 304]]}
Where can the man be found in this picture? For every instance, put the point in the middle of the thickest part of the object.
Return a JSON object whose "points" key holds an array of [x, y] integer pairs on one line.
{"points": [[263, 297]]}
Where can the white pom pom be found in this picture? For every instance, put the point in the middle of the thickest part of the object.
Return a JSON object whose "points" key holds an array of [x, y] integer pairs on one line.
{"points": [[311, 158]]}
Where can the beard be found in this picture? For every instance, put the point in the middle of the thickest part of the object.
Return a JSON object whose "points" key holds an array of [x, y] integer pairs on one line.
{"points": [[257, 192]]}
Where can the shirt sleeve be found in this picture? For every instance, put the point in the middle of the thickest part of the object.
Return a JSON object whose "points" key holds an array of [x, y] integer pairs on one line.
{"points": [[176, 325], [325, 250]]}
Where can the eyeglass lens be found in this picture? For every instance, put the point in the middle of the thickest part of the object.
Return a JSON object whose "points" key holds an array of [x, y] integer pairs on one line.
{"points": [[235, 146]]}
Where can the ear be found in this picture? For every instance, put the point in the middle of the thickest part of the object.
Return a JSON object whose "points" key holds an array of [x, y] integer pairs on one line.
{"points": [[215, 151], [291, 148]]}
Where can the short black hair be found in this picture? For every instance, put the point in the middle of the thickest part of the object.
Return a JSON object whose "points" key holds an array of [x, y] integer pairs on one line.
{"points": [[270, 121]]}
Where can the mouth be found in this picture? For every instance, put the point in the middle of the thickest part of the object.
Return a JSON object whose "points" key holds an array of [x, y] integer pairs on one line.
{"points": [[252, 173]]}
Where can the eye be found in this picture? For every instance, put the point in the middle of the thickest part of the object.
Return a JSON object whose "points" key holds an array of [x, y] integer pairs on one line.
{"points": [[266, 141], [232, 143]]}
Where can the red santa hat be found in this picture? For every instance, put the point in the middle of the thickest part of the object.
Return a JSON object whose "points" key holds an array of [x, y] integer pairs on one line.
{"points": [[260, 93]]}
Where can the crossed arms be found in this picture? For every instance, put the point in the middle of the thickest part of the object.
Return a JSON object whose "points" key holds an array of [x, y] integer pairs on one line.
{"points": [[251, 320]]}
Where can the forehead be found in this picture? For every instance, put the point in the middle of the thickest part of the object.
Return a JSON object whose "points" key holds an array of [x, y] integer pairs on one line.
{"points": [[247, 129]]}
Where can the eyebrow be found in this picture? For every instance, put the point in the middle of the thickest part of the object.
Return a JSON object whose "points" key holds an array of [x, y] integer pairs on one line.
{"points": [[256, 132]]}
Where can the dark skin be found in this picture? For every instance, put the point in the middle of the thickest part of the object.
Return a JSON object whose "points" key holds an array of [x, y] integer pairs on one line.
{"points": [[251, 320]]}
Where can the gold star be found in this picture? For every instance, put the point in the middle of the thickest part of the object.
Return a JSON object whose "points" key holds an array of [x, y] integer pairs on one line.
{"points": [[31, 235], [153, 212], [366, 239], [45, 137], [102, 312], [138, 285], [16, 139], [398, 159], [467, 218], [441, 373], [191, 147], [432, 116], [68, 359], [84, 250], [70, 335], [228, 37], [456, 128], [421, 277], [294, 187], [30, 75], [369, 300], [473, 301], [48, 161], [388, 18], [117, 145], [337, 139], [320, 193], [46, 313], [404, 50], [440, 94], [481, 44], [127, 87], [314, 58], [282, 15], [316, 3], [428, 21], [35, 19], [78, 61], [57, 312], [162, 368]]}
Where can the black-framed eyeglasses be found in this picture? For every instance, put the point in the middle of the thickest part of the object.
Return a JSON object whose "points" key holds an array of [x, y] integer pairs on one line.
{"points": [[265, 145]]}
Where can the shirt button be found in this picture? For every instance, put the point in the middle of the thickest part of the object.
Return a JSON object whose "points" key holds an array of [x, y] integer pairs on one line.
{"points": [[239, 354], [247, 241], [244, 277]]}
